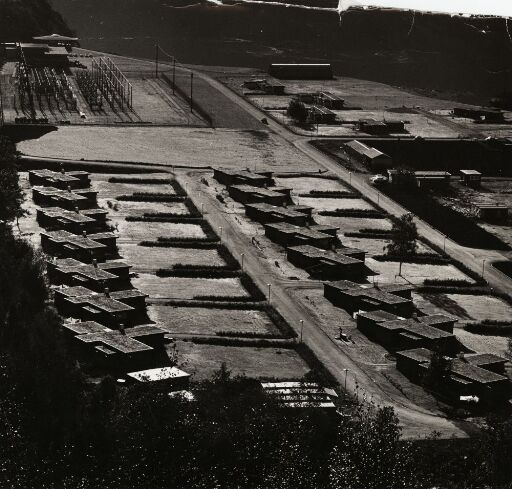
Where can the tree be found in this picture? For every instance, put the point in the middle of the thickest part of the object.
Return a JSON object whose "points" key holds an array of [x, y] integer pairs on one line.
{"points": [[369, 453], [11, 195], [297, 111], [403, 242], [438, 371]]}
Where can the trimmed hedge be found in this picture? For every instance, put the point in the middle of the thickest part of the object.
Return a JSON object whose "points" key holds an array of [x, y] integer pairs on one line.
{"points": [[489, 327], [144, 181], [357, 234], [451, 282], [224, 298], [197, 272], [373, 213], [248, 334], [165, 218], [151, 197], [419, 258], [333, 194], [190, 243], [469, 290], [230, 341], [208, 304]]}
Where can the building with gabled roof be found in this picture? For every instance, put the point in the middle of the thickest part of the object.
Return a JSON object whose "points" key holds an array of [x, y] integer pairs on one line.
{"points": [[266, 213], [287, 234], [76, 221], [61, 180], [342, 263], [67, 199], [123, 307], [464, 379], [247, 194], [391, 298], [118, 350], [85, 248], [371, 157], [114, 275], [228, 176]]}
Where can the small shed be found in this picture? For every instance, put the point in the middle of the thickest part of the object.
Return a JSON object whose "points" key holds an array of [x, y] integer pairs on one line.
{"points": [[471, 178], [492, 212]]}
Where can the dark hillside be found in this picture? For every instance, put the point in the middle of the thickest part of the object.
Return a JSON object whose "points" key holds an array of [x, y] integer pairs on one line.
{"points": [[23, 19]]}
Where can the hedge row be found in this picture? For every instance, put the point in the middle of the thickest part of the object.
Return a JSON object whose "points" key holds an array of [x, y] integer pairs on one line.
{"points": [[489, 327], [144, 181], [333, 194], [359, 234], [373, 213], [214, 304], [150, 197], [197, 272], [418, 258], [177, 218], [184, 243], [248, 334], [448, 289], [257, 342], [450, 282]]}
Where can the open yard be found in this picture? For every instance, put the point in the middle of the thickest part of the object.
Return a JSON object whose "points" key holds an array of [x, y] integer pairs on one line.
{"points": [[153, 258], [413, 273], [168, 146], [301, 185], [188, 288], [139, 231], [254, 362], [210, 321], [331, 204], [354, 224]]}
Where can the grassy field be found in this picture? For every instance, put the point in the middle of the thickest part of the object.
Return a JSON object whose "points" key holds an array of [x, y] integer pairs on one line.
{"points": [[170, 146], [210, 321], [188, 288], [154, 258], [260, 363]]}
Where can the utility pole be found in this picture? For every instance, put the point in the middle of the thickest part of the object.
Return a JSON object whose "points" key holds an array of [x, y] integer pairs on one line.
{"points": [[157, 48], [191, 92]]}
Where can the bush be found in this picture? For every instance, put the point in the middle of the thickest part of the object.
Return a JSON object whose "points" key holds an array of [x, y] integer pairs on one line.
{"points": [[297, 111], [448, 289], [213, 304]]}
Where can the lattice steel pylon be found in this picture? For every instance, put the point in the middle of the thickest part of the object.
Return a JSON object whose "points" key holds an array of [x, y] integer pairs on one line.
{"points": [[112, 83]]}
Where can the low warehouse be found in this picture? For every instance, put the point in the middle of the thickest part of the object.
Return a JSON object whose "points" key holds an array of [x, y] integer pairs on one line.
{"points": [[242, 177], [370, 157], [265, 214]]}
